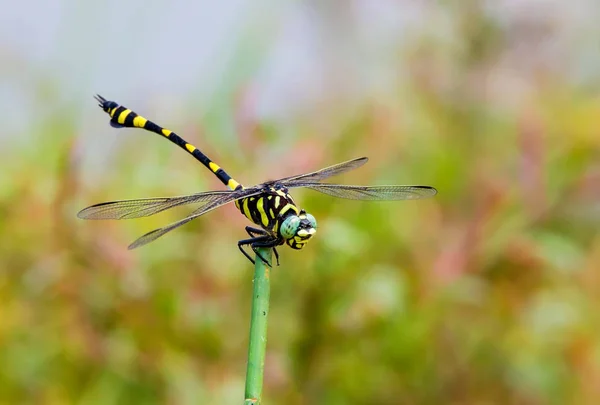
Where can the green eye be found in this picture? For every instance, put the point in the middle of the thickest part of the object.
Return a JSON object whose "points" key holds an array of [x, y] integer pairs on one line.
{"points": [[289, 226], [312, 220]]}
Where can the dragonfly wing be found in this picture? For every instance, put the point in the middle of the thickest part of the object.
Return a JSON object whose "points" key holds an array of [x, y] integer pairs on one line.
{"points": [[323, 174], [157, 233], [373, 193], [143, 207]]}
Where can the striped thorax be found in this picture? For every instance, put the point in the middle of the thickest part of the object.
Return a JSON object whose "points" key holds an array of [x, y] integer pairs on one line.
{"points": [[276, 212]]}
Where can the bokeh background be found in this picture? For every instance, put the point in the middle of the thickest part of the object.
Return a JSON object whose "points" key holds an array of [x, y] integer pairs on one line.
{"points": [[487, 294]]}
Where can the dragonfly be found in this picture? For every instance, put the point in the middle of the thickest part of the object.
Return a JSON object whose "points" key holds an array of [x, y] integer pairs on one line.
{"points": [[268, 205]]}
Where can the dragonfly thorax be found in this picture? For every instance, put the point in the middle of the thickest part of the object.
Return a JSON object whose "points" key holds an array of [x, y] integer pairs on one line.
{"points": [[298, 229]]}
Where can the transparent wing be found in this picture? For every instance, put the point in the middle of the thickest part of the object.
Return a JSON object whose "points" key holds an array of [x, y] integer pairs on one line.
{"points": [[157, 233], [143, 207], [323, 174], [373, 193]]}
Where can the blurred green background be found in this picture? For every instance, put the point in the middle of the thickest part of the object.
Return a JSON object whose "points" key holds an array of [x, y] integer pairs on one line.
{"points": [[487, 294]]}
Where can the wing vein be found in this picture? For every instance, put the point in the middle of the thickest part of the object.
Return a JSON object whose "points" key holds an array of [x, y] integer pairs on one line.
{"points": [[372, 193]]}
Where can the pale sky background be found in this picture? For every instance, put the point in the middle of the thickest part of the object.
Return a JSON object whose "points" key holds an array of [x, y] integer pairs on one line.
{"points": [[292, 55]]}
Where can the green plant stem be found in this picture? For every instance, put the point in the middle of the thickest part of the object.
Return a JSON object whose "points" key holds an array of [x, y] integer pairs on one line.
{"points": [[258, 329]]}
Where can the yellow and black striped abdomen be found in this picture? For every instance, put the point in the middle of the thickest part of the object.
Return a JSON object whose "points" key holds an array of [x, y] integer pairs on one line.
{"points": [[123, 117], [268, 209]]}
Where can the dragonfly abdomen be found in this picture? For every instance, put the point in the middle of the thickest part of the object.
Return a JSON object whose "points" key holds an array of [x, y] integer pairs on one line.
{"points": [[121, 116]]}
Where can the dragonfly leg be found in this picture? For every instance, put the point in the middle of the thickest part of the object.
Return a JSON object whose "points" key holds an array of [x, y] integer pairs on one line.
{"points": [[270, 243], [263, 239], [245, 253], [255, 231], [261, 257]]}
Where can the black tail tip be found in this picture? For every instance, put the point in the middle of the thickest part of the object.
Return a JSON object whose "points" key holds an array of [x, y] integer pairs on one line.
{"points": [[100, 99], [104, 103]]}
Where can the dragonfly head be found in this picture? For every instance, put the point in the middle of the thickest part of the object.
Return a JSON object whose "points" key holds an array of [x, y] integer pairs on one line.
{"points": [[298, 229]]}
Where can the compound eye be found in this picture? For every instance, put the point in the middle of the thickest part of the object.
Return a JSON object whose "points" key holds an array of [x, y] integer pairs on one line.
{"points": [[289, 226], [312, 220]]}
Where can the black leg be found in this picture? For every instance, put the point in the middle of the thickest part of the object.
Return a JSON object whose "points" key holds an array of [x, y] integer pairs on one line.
{"points": [[245, 254], [266, 244], [255, 231], [262, 241], [252, 241], [276, 254], [254, 249]]}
